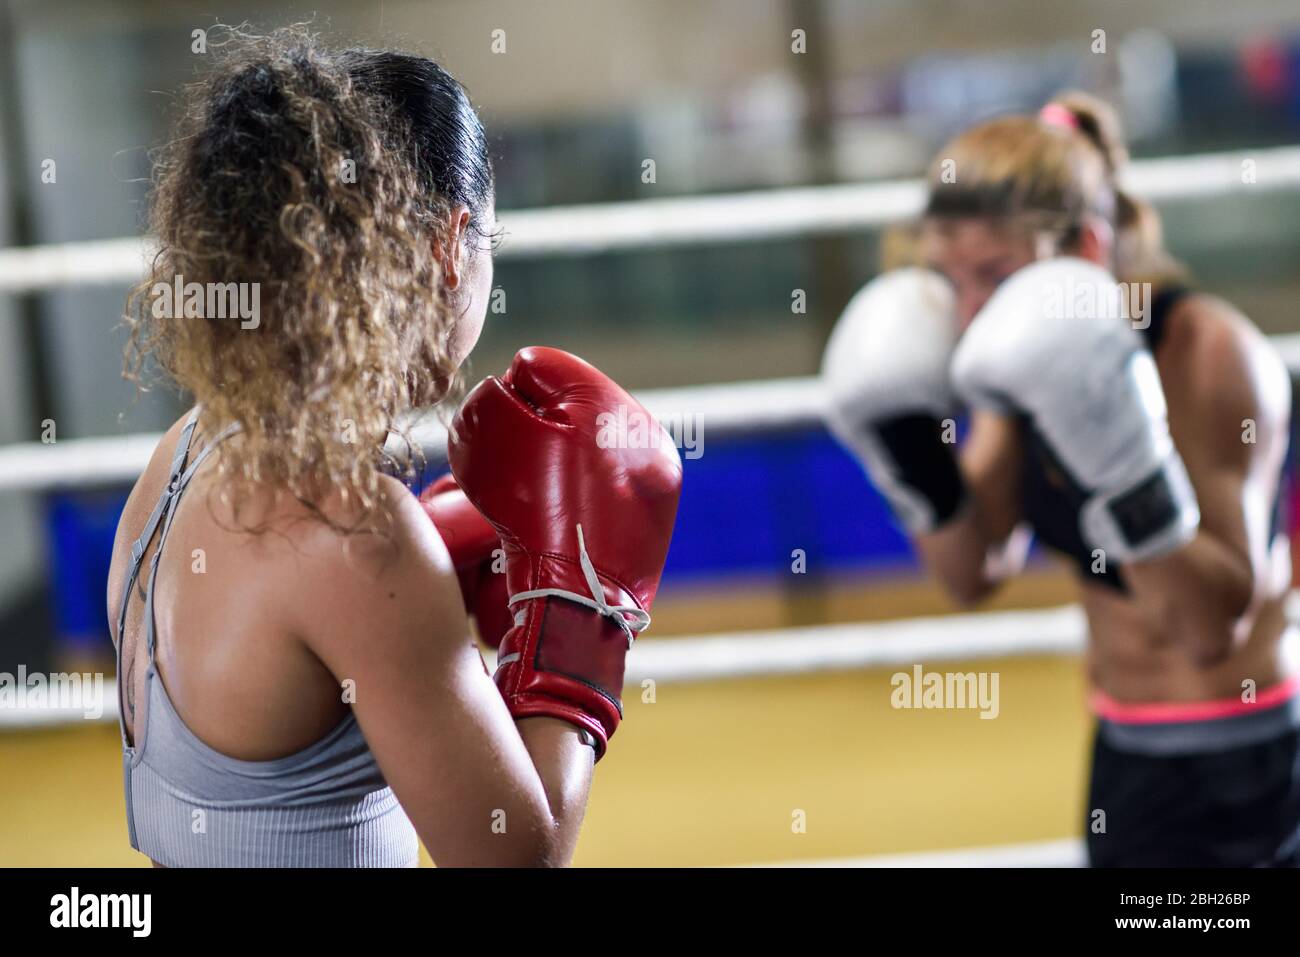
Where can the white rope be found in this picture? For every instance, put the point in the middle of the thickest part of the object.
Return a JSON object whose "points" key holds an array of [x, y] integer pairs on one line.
{"points": [[789, 651], [738, 408], [729, 218], [735, 408], [1064, 853], [850, 647], [25, 717], [59, 265], [857, 646], [75, 463]]}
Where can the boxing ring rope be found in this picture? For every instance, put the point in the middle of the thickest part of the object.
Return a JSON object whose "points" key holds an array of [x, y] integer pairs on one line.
{"points": [[583, 230], [730, 218], [782, 652], [962, 638], [732, 409], [1066, 853], [723, 410], [976, 636]]}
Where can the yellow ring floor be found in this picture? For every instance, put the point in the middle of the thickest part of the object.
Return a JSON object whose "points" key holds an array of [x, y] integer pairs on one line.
{"points": [[709, 774]]}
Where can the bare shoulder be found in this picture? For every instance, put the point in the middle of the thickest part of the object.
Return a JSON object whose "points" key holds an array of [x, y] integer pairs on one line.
{"points": [[333, 540], [384, 575], [139, 504], [152, 481], [1203, 327], [1216, 364]]}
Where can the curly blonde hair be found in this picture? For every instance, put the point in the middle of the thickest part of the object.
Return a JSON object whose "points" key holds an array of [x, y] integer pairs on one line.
{"points": [[288, 174]]}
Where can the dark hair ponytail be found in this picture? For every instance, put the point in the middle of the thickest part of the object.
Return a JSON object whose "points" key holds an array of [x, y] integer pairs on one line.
{"points": [[442, 133], [323, 181]]}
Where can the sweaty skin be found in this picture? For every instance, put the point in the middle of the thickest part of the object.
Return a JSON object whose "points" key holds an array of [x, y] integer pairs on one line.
{"points": [[1212, 615], [1200, 622], [257, 635], [254, 651]]}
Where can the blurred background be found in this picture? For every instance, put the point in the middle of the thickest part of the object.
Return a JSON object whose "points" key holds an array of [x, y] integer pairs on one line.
{"points": [[582, 95]]}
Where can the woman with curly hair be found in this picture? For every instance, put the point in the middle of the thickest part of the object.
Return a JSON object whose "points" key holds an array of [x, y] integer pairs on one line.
{"points": [[296, 678]]}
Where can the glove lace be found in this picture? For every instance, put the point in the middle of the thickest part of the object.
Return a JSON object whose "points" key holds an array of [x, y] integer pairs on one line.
{"points": [[631, 619]]}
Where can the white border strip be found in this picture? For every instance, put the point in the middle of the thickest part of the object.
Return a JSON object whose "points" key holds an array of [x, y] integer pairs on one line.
{"points": [[1062, 853], [795, 651], [738, 408], [27, 718], [782, 652], [789, 651], [735, 217], [722, 410], [730, 409]]}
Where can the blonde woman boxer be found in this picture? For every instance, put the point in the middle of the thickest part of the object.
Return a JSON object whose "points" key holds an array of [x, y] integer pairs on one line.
{"points": [[1138, 426]]}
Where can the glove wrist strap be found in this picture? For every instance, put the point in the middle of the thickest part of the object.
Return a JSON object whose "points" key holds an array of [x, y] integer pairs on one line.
{"points": [[630, 618]]}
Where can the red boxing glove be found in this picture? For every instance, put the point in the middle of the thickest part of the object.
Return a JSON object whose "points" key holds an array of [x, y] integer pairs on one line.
{"points": [[471, 542], [582, 484]]}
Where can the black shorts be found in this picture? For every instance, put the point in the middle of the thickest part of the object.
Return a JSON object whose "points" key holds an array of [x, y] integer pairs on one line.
{"points": [[1236, 807]]}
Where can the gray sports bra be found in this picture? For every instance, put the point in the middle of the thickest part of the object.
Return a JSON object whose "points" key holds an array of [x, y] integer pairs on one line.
{"points": [[188, 805]]}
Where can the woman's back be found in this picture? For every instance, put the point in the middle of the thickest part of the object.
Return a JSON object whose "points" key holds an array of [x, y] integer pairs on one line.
{"points": [[296, 644], [217, 778]]}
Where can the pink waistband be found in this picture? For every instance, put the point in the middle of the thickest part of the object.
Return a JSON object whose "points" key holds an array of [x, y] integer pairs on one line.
{"points": [[1160, 712]]}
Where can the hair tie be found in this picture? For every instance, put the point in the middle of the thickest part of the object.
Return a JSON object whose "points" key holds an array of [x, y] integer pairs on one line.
{"points": [[1054, 114]]}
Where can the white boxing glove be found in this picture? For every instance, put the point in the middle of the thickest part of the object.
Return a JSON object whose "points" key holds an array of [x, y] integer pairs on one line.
{"points": [[1055, 344], [885, 372]]}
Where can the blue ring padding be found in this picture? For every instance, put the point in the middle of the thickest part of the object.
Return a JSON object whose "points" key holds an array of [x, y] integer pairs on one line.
{"points": [[80, 527], [747, 504]]}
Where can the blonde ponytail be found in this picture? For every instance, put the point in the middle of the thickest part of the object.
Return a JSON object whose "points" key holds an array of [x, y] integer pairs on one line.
{"points": [[1140, 254]]}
